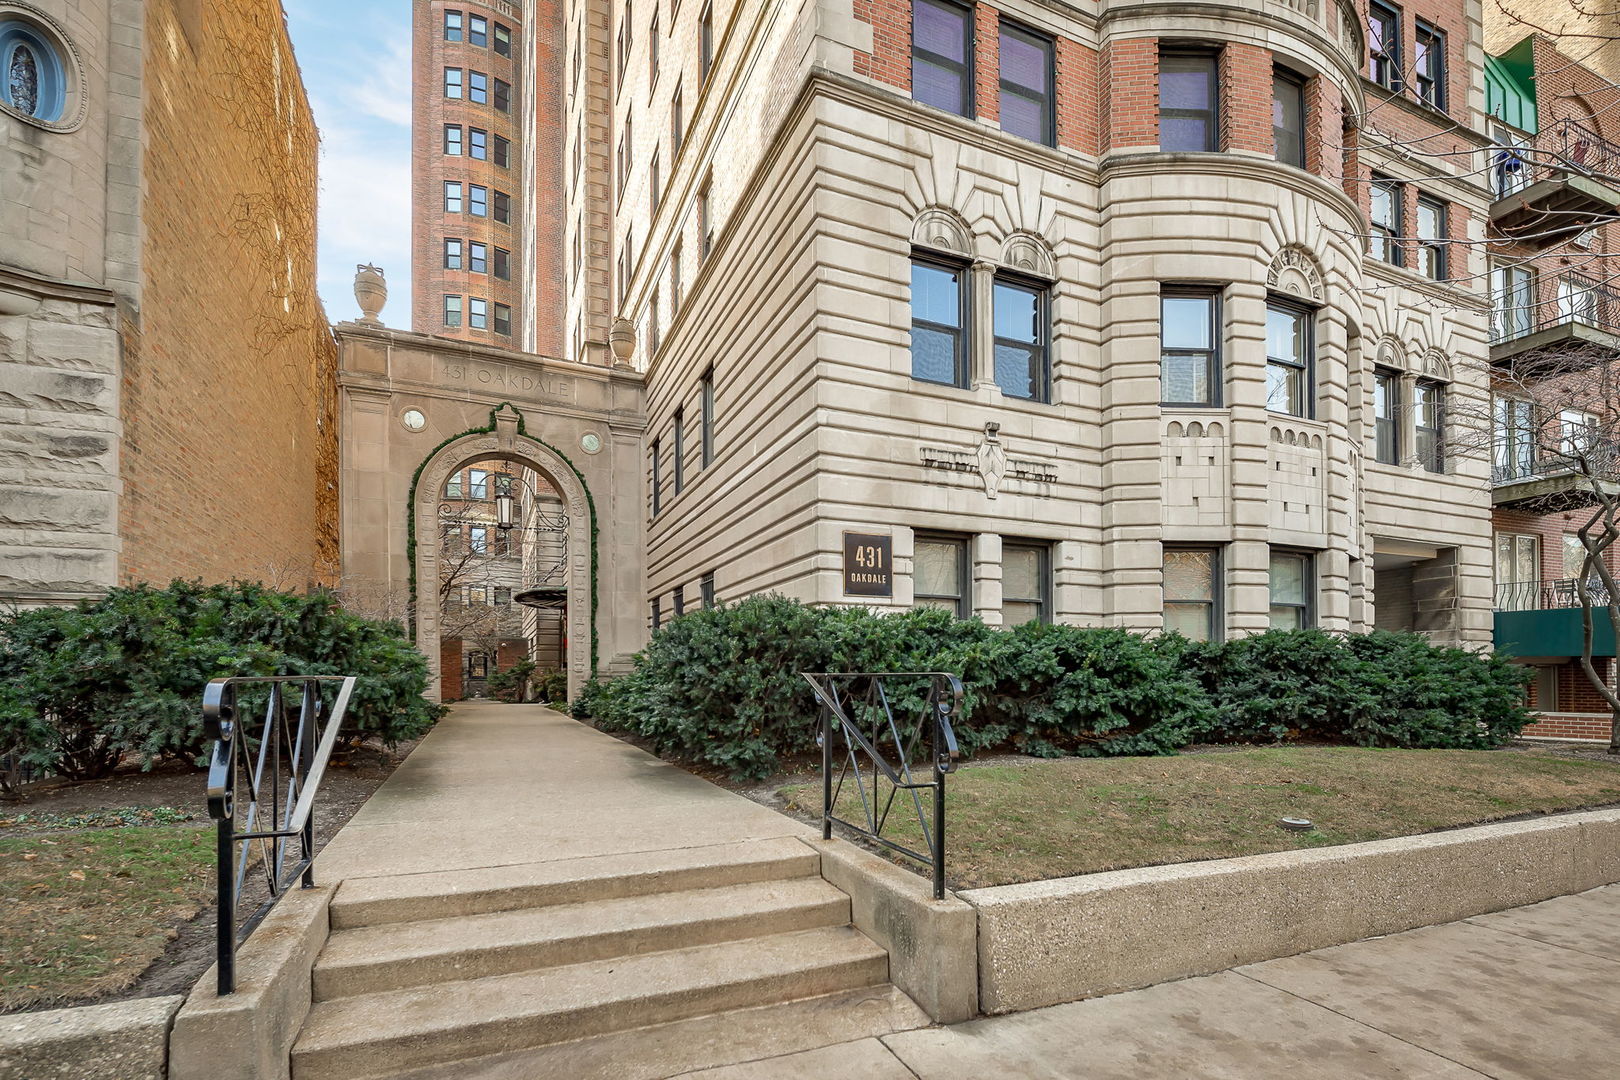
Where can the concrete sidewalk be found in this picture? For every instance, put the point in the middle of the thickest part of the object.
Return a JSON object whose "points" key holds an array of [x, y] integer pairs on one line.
{"points": [[1523, 994], [495, 785]]}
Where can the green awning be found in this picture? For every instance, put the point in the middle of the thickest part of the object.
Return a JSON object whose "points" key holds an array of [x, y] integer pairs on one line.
{"points": [[1510, 87], [1555, 632]]}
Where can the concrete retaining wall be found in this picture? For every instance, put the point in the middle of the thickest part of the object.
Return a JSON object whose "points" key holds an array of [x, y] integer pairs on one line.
{"points": [[248, 1035], [1047, 942], [123, 1040], [932, 955]]}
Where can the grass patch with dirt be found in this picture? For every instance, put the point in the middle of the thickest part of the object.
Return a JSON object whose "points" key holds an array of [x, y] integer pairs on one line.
{"points": [[1031, 820], [83, 912]]}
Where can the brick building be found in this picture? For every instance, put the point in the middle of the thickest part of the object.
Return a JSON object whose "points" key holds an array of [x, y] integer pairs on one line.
{"points": [[485, 163], [167, 387]]}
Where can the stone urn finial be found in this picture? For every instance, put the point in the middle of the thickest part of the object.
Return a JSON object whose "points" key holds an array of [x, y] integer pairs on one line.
{"points": [[370, 292], [622, 340]]}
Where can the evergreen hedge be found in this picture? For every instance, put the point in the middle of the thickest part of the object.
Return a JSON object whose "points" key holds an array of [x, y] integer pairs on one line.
{"points": [[722, 686], [82, 687]]}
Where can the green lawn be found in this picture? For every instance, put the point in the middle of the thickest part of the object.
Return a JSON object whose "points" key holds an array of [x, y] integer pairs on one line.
{"points": [[1047, 819], [84, 911]]}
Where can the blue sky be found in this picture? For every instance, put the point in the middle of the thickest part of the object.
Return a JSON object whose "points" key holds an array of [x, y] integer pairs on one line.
{"points": [[356, 60]]}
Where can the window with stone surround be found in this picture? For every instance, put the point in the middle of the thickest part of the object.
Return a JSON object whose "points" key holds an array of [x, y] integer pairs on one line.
{"points": [[705, 220], [452, 82], [705, 43], [1386, 211], [1387, 416], [1192, 592], [678, 451], [1431, 237], [1189, 115], [1384, 44], [1290, 358], [657, 482], [1288, 116], [1429, 411], [942, 55], [1023, 357], [939, 324], [1027, 84], [452, 25], [452, 140], [34, 76], [706, 406], [1189, 346], [678, 600], [1293, 590], [706, 587], [939, 573], [452, 253], [656, 617], [621, 52], [677, 122], [1026, 583], [1429, 65], [652, 53]]}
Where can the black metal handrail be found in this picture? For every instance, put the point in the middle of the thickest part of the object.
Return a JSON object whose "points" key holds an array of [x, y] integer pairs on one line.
{"points": [[283, 772], [1554, 593], [853, 702], [1590, 304], [1565, 148]]}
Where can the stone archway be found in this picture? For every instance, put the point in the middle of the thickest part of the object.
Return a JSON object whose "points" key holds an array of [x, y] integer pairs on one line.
{"points": [[505, 443]]}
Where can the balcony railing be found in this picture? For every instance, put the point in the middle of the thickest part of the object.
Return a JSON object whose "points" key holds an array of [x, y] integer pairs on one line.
{"points": [[1567, 148], [1585, 304], [1547, 595]]}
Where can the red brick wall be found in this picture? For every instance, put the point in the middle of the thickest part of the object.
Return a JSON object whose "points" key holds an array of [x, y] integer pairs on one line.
{"points": [[1078, 96], [1324, 129], [1129, 71], [987, 62], [450, 669], [1559, 726], [890, 58], [549, 37], [1245, 88]]}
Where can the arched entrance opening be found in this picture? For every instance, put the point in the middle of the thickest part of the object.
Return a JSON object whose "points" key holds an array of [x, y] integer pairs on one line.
{"points": [[503, 556]]}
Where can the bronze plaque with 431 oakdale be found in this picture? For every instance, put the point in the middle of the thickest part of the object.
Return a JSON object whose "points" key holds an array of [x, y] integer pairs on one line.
{"points": [[868, 564]]}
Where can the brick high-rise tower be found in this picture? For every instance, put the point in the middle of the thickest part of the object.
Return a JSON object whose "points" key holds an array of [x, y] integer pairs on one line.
{"points": [[486, 151]]}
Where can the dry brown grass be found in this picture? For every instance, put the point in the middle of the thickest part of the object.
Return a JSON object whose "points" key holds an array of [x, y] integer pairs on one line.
{"points": [[1044, 819]]}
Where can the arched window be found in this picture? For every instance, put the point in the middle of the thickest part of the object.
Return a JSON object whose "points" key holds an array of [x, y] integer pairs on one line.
{"points": [[31, 73]]}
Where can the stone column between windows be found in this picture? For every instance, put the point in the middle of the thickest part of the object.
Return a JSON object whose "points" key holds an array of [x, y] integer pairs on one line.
{"points": [[905, 550], [986, 573], [1248, 587], [1408, 422], [982, 358]]}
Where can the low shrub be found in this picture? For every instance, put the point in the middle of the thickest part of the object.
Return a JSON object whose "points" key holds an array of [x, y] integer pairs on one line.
{"points": [[722, 686], [553, 687], [123, 675], [511, 684]]}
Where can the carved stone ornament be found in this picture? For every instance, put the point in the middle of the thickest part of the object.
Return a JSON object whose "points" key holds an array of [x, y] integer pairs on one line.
{"points": [[1021, 251], [370, 292], [941, 230], [1434, 365], [1295, 272], [992, 459]]}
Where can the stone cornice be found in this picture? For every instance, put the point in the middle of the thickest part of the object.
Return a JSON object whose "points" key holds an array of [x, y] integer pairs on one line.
{"points": [[1225, 164], [410, 339], [1397, 275], [14, 279]]}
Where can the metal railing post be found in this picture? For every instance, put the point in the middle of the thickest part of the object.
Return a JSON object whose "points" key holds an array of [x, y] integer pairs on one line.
{"points": [[826, 774], [309, 718], [225, 930]]}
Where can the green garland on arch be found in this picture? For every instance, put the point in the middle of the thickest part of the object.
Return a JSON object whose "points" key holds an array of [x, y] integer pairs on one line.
{"points": [[522, 429]]}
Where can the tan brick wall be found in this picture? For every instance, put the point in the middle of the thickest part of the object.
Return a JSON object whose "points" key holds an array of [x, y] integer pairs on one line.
{"points": [[229, 459]]}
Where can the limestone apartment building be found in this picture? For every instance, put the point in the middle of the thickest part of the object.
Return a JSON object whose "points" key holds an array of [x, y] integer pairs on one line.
{"points": [[167, 387], [486, 161], [1109, 312]]}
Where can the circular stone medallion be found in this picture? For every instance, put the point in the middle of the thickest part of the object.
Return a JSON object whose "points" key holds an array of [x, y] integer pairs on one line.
{"points": [[413, 419]]}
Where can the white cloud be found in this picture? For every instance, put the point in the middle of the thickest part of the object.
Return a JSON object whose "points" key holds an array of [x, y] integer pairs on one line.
{"points": [[365, 216], [384, 89]]}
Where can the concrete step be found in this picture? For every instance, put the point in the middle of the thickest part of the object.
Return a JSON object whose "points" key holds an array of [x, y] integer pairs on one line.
{"points": [[380, 1035], [703, 1042], [443, 895], [391, 956]]}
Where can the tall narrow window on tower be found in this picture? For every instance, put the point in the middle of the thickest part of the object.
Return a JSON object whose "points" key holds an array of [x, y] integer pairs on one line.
{"points": [[1288, 358], [1189, 355], [1429, 65], [1385, 213], [652, 52], [1188, 116], [705, 221], [705, 42], [477, 87], [942, 55], [1288, 116], [452, 25], [1026, 84], [1430, 409], [503, 95], [1022, 358], [1386, 416], [1431, 237], [1384, 45], [677, 122], [452, 140], [938, 322], [503, 39], [706, 403], [452, 82]]}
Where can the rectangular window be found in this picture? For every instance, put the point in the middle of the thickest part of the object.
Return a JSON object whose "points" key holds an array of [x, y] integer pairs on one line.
{"points": [[622, 49], [503, 595], [1429, 409], [478, 87], [938, 323], [452, 196], [679, 448], [1026, 84], [621, 162], [452, 26], [705, 222], [1431, 237], [478, 257], [652, 52], [1513, 445], [1512, 300], [655, 334], [478, 315], [503, 95], [452, 82], [503, 264], [503, 208], [1288, 117], [1188, 114], [477, 483], [706, 404], [675, 287], [705, 43], [657, 616], [1293, 589], [707, 586], [503, 319], [679, 600], [1578, 300], [1289, 352], [452, 140], [657, 479], [1546, 689], [1026, 583], [942, 55], [939, 574], [478, 144], [1518, 572], [1429, 65], [1189, 348], [1386, 210], [677, 123], [478, 31], [1023, 367], [452, 311], [1384, 45], [655, 182], [1192, 592], [477, 200], [503, 39], [1386, 416], [503, 152], [1574, 556], [478, 540], [452, 487], [1577, 431], [452, 253]]}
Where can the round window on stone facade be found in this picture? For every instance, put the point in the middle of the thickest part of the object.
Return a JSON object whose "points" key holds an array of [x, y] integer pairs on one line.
{"points": [[33, 77]]}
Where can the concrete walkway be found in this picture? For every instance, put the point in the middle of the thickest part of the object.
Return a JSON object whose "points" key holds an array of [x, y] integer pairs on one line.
{"points": [[1526, 994], [494, 785]]}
